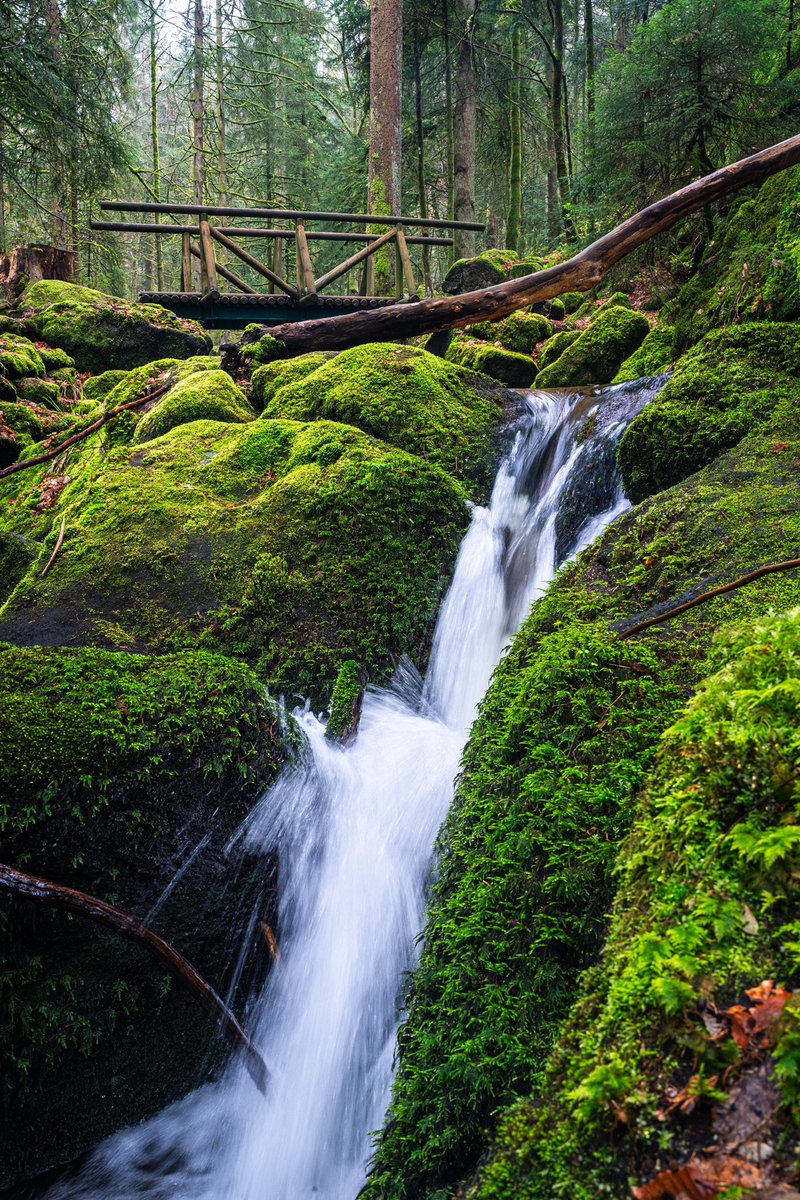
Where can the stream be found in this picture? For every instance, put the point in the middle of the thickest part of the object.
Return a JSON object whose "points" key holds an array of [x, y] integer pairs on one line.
{"points": [[354, 829]]}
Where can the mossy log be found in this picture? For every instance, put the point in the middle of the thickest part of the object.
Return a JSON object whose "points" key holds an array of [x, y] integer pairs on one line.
{"points": [[42, 891], [582, 272]]}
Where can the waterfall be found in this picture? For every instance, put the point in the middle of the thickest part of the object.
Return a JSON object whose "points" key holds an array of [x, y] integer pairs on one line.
{"points": [[354, 829]]}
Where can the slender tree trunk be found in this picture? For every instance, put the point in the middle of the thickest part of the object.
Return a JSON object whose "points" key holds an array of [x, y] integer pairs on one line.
{"points": [[385, 122], [155, 146], [554, 220], [198, 108], [465, 112], [423, 195], [219, 65], [449, 113], [557, 115], [514, 226], [52, 16]]}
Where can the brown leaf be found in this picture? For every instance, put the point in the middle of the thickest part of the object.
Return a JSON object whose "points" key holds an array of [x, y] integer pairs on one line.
{"points": [[700, 1179]]}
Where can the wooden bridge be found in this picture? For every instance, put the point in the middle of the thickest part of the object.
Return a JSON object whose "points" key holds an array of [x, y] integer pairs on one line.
{"points": [[285, 301]]}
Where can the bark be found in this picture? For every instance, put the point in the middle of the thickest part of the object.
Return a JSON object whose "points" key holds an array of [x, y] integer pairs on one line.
{"points": [[420, 122], [580, 273], [465, 110], [449, 114], [53, 895], [155, 148], [27, 264], [198, 108], [557, 116], [222, 146], [385, 122], [514, 225]]}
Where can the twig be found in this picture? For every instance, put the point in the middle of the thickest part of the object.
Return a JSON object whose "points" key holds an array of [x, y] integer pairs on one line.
{"points": [[770, 569], [19, 883], [52, 557], [84, 433]]}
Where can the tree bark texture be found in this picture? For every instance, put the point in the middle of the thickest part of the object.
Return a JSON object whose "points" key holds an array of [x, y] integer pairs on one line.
{"points": [[465, 110], [582, 272], [514, 225]]}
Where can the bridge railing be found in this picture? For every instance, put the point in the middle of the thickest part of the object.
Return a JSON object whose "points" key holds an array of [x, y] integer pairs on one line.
{"points": [[200, 238]]}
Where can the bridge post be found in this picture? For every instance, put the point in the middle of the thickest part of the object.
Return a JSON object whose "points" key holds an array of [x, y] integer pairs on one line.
{"points": [[208, 262], [305, 269], [404, 267], [186, 262], [277, 261]]}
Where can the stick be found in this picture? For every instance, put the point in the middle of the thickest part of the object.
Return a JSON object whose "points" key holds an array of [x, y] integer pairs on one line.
{"points": [[52, 557], [42, 891], [84, 433], [580, 273], [771, 569]]}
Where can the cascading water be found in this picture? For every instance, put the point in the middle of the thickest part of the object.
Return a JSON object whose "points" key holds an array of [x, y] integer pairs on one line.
{"points": [[354, 828]]}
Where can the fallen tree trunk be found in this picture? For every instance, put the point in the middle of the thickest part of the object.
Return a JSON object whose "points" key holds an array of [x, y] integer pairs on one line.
{"points": [[580, 273], [42, 891]]}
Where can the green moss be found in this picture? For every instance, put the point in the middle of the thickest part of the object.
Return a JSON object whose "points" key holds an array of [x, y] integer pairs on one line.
{"points": [[267, 379], [115, 767], [552, 309], [16, 555], [728, 384], [207, 395], [265, 350], [22, 419], [655, 355], [752, 269], [97, 387], [555, 346], [55, 360], [619, 299], [514, 370], [707, 907], [561, 749], [19, 357], [406, 397], [520, 331], [346, 700], [596, 356], [572, 301], [101, 332], [295, 546], [45, 392]]}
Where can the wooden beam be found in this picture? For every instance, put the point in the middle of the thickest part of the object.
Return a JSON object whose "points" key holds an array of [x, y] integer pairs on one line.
{"points": [[248, 258], [288, 214], [225, 272], [580, 273], [245, 231], [278, 264], [305, 268], [208, 262], [186, 263], [42, 891], [355, 259], [405, 264]]}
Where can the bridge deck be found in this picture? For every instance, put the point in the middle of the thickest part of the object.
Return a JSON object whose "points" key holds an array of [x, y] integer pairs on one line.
{"points": [[231, 310]]}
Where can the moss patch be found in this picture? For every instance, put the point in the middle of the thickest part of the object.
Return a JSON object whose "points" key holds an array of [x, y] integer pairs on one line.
{"points": [[19, 357], [103, 332], [267, 379], [406, 397], [728, 384], [555, 346], [98, 386], [520, 331], [597, 355], [655, 355], [209, 395], [506, 366]]}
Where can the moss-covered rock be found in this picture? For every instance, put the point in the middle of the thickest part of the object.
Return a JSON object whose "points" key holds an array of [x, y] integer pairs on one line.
{"points": [[572, 301], [207, 395], [295, 546], [707, 908], [728, 384], [506, 366], [22, 419], [45, 392], [553, 309], [752, 268], [555, 346], [55, 359], [655, 355], [562, 747], [597, 355], [19, 357], [16, 555], [520, 331], [408, 398], [486, 269], [266, 379], [97, 387], [346, 701], [115, 768], [103, 332]]}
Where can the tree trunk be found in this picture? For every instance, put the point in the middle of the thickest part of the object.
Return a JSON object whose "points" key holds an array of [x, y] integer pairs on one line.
{"points": [[198, 108], [423, 195], [514, 225], [582, 272], [155, 146], [449, 114], [557, 116], [464, 120], [219, 64], [385, 123]]}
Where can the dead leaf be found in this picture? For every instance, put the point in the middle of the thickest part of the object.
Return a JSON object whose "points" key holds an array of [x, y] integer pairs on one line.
{"points": [[701, 1179]]}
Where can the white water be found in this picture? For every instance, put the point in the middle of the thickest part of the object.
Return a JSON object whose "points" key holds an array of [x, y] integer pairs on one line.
{"points": [[354, 829]]}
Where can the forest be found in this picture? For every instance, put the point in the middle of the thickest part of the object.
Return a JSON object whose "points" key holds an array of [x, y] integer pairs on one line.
{"points": [[400, 599]]}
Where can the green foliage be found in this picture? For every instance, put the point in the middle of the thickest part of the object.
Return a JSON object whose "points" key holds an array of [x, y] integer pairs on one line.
{"points": [[655, 355], [596, 356], [408, 398], [345, 700], [730, 383], [267, 379], [97, 387], [19, 357], [206, 395]]}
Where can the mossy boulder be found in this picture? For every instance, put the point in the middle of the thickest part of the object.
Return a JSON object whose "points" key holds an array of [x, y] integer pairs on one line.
{"points": [[103, 332], [555, 346], [752, 269], [266, 379], [16, 555], [97, 387], [22, 419], [117, 770], [728, 384], [553, 309], [506, 366], [45, 392], [19, 357], [550, 788], [207, 395], [655, 355], [408, 398], [55, 359], [520, 331], [599, 352], [295, 546], [486, 269], [706, 908], [572, 301]]}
